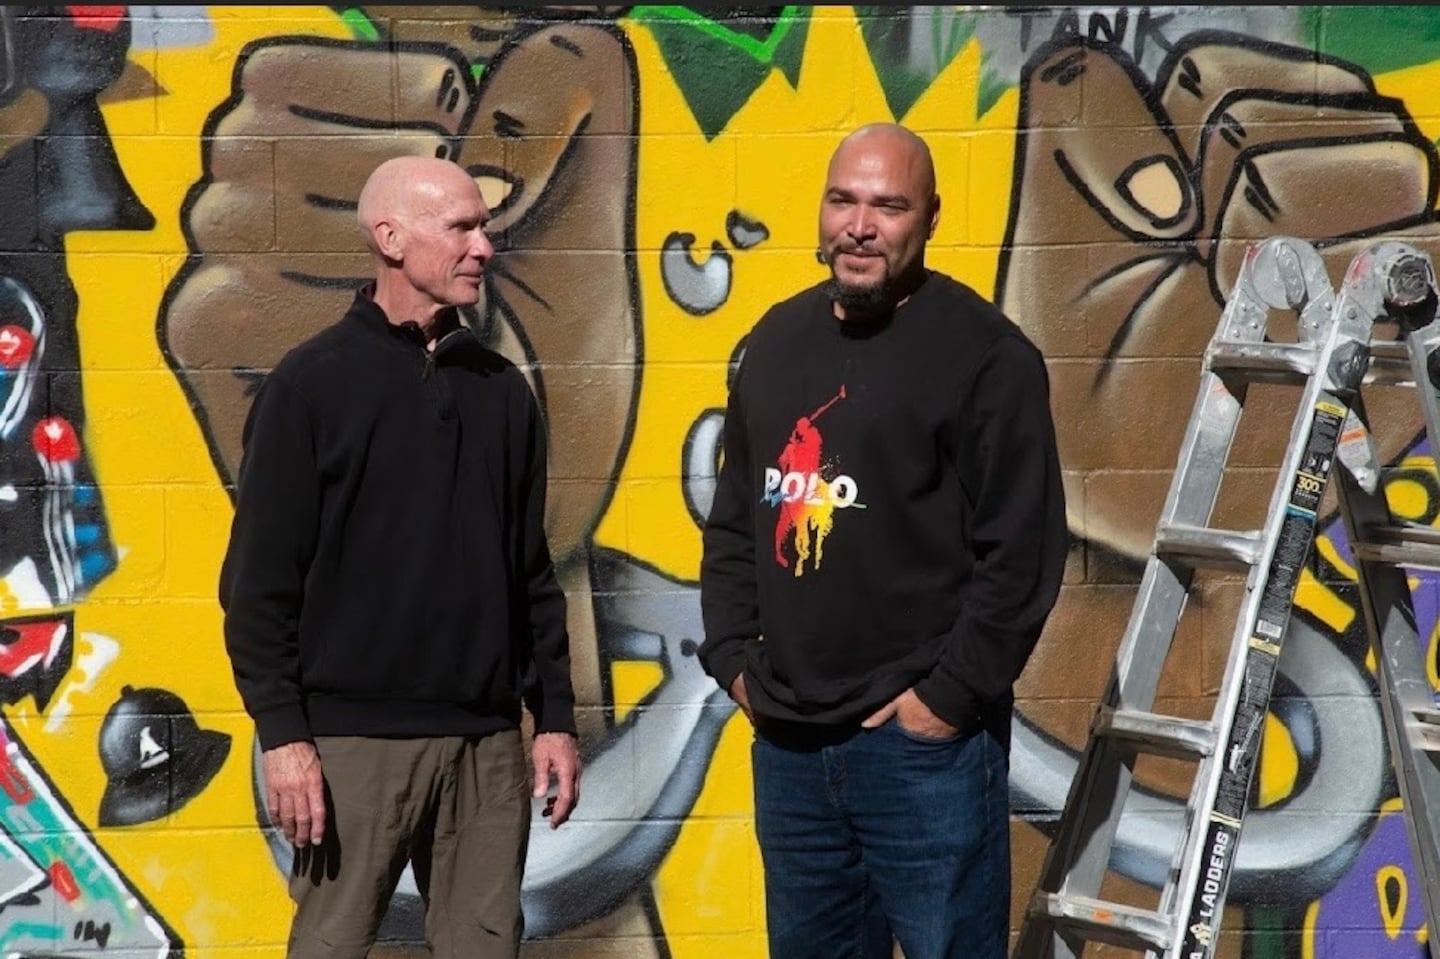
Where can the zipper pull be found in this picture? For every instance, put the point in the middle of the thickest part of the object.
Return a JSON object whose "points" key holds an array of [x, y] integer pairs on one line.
{"points": [[434, 349]]}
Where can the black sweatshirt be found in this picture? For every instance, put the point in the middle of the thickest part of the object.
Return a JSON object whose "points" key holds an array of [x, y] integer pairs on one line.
{"points": [[888, 514], [388, 573]]}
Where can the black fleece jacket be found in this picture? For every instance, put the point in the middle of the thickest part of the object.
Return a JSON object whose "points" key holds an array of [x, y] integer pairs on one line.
{"points": [[387, 572], [888, 514]]}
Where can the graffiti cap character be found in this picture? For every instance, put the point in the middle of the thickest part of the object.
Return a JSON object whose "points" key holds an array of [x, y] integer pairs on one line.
{"points": [[156, 756]]}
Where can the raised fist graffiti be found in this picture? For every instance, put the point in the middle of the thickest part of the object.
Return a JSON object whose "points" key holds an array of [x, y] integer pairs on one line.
{"points": [[1134, 203], [1134, 200]]}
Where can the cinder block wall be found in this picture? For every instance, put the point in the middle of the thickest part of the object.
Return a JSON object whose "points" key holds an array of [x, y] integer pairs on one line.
{"points": [[176, 196]]}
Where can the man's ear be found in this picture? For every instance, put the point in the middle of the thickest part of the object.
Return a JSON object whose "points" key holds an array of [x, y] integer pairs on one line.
{"points": [[934, 215], [387, 238]]}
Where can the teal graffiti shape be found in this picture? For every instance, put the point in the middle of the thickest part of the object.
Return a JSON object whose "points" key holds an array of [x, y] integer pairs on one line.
{"points": [[50, 863]]}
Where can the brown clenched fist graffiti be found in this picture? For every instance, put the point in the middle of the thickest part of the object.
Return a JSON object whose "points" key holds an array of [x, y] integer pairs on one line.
{"points": [[554, 129], [548, 135], [1134, 203]]}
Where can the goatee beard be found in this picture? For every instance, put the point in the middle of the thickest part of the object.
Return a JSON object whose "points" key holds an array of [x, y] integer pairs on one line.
{"points": [[867, 300]]}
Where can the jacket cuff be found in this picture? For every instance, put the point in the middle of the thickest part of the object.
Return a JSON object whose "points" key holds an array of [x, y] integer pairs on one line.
{"points": [[282, 724], [556, 715]]}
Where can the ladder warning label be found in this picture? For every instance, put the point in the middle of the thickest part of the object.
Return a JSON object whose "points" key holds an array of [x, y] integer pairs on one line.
{"points": [[1291, 550], [1306, 494], [1297, 529], [1243, 747], [1213, 878], [1269, 630], [1263, 646], [1324, 435]]}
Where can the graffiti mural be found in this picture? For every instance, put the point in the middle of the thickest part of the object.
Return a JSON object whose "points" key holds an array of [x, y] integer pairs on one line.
{"points": [[58, 173], [179, 186]]}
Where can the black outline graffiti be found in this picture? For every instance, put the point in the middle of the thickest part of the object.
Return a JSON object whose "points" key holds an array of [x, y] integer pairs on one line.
{"points": [[675, 253]]}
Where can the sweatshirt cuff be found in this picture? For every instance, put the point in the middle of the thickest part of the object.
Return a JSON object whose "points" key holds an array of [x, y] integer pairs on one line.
{"points": [[951, 700], [282, 724], [723, 661]]}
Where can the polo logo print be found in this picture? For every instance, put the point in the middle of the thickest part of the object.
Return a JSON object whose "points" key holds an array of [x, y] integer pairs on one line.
{"points": [[807, 491]]}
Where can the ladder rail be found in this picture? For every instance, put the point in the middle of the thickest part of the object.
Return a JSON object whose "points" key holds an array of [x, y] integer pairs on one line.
{"points": [[1423, 345], [1407, 699], [1403, 689]]}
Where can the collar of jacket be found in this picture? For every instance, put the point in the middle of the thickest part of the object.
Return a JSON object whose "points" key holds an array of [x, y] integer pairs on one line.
{"points": [[408, 333]]}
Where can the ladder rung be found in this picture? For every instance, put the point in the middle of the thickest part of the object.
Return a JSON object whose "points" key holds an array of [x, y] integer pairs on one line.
{"points": [[1204, 547], [1160, 735], [1427, 728], [1400, 546], [1390, 363], [1268, 362], [1092, 919]]}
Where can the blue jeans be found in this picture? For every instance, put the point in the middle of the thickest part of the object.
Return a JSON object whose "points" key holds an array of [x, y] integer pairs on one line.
{"points": [[884, 833]]}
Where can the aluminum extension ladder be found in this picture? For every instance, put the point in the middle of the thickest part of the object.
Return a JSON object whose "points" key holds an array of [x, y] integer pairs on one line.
{"points": [[1330, 359]]}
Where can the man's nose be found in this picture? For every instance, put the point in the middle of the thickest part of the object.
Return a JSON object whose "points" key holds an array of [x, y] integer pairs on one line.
{"points": [[481, 247], [862, 222]]}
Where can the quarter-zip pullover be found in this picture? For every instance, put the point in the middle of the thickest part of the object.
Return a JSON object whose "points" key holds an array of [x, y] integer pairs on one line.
{"points": [[387, 572]]}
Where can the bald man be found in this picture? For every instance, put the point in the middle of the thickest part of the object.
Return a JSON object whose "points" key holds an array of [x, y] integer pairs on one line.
{"points": [[389, 597], [885, 544]]}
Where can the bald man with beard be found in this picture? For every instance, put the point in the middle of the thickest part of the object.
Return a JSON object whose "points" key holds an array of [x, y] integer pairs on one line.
{"points": [[390, 602], [885, 544]]}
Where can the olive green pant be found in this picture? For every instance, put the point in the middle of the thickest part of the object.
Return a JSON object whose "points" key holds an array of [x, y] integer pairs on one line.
{"points": [[457, 808]]}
